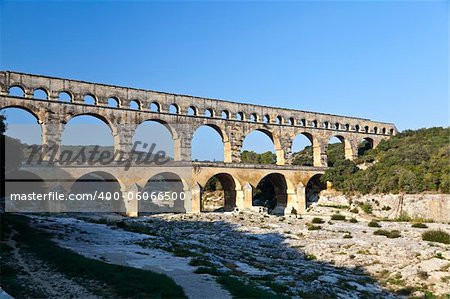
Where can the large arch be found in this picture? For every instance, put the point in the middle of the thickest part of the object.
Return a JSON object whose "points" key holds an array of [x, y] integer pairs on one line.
{"points": [[219, 193], [313, 188], [271, 192], [157, 134], [302, 149], [165, 193], [218, 148], [365, 145], [104, 187], [252, 143]]}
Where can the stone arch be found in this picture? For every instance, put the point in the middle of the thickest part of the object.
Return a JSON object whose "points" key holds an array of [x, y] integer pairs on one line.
{"points": [[240, 116], [102, 184], [291, 121], [210, 112], [40, 93], [303, 153], [155, 107], [135, 105], [87, 98], [16, 90], [313, 188], [365, 144], [224, 139], [223, 186], [266, 118], [275, 141], [272, 193], [65, 96], [348, 151], [113, 102], [254, 117], [192, 110], [164, 183], [159, 136], [174, 109], [32, 109], [225, 114]]}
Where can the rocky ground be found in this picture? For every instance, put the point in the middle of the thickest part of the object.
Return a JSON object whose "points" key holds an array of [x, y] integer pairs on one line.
{"points": [[288, 256]]}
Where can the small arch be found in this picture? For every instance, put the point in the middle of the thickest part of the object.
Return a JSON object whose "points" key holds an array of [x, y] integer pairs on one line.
{"points": [[135, 105], [357, 128], [266, 118], [225, 114], [90, 99], [326, 125], [174, 109], [240, 116], [302, 122], [383, 131], [192, 110], [65, 97], [391, 131], [209, 112], [314, 124], [155, 107], [291, 121], [347, 127], [40, 94], [113, 102], [313, 188], [16, 91], [375, 130], [254, 117], [366, 129], [279, 120], [337, 126]]}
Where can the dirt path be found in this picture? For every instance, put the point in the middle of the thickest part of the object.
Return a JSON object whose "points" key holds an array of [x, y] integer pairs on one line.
{"points": [[115, 246]]}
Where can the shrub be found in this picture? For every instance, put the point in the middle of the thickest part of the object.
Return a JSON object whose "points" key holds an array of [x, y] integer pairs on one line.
{"points": [[314, 227], [373, 223], [317, 220], [337, 217], [353, 220], [367, 208], [436, 236], [310, 257], [404, 217], [419, 225], [354, 210], [389, 234], [348, 236]]}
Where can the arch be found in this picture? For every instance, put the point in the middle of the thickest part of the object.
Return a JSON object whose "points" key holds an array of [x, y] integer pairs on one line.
{"points": [[225, 114], [357, 128], [25, 182], [347, 127], [302, 149], [266, 119], [192, 110], [302, 122], [154, 135], [337, 126], [240, 116], [375, 130], [314, 124], [366, 129], [219, 193], [313, 189], [335, 149], [365, 145], [279, 120], [40, 94], [174, 109], [383, 131], [155, 107], [291, 121], [164, 183], [271, 192], [65, 96], [23, 123], [99, 182], [210, 112], [326, 125], [391, 132], [254, 117], [216, 140], [16, 91], [90, 99], [113, 102], [135, 105], [254, 152]]}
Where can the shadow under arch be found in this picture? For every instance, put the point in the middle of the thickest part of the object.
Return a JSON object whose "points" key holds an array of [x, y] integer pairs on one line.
{"points": [[165, 194], [271, 192], [219, 193], [104, 187], [313, 188]]}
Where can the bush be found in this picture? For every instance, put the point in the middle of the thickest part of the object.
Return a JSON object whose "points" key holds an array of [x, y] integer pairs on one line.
{"points": [[310, 257], [373, 223], [317, 220], [390, 234], [353, 220], [404, 217], [348, 236], [314, 227], [436, 236], [419, 225], [337, 217], [367, 208]]}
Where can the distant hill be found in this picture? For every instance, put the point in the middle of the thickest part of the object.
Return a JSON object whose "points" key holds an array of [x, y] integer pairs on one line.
{"points": [[413, 161]]}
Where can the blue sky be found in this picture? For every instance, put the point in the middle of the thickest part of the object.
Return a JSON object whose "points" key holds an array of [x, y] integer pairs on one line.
{"points": [[384, 60]]}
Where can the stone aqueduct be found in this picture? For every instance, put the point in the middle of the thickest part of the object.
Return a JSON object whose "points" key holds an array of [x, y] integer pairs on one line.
{"points": [[233, 121]]}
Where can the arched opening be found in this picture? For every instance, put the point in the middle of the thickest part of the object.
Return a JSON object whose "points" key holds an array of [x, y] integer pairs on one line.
{"points": [[302, 122], [151, 137], [112, 103], [357, 128], [266, 119], [165, 193], [314, 123], [291, 121], [77, 146], [271, 192], [254, 117], [391, 131], [16, 91], [313, 189], [326, 125], [209, 112], [279, 120], [258, 148], [192, 110], [365, 145], [40, 94], [366, 129], [375, 130], [219, 194], [174, 109], [347, 127], [103, 185], [240, 116], [383, 131], [155, 107], [211, 135], [225, 114], [337, 126], [135, 105], [302, 150], [64, 97], [89, 100], [335, 150]]}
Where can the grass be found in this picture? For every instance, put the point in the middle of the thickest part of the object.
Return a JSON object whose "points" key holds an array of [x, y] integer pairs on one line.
{"points": [[334, 206], [436, 236], [373, 223], [419, 225], [239, 289], [389, 234], [314, 227], [403, 217], [337, 217], [317, 220], [111, 280], [367, 208], [310, 257]]}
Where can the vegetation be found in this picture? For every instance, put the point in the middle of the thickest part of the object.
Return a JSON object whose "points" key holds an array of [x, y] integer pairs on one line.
{"points": [[410, 162], [254, 158], [390, 234], [419, 225], [353, 220], [436, 236], [337, 217], [317, 220], [367, 208], [110, 278], [373, 223]]}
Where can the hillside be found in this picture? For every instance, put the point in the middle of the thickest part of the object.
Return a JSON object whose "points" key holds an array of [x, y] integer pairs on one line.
{"points": [[410, 162]]}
